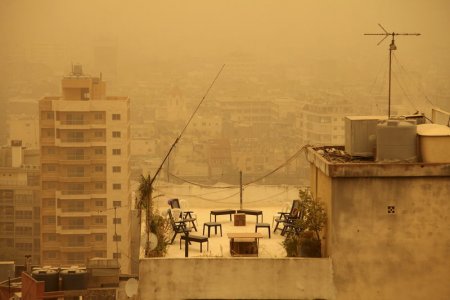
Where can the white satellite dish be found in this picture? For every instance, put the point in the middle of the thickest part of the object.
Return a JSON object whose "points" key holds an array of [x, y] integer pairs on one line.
{"points": [[131, 287], [153, 241]]}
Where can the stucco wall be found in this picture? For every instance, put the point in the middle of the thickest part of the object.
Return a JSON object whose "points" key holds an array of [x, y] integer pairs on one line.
{"points": [[381, 255], [235, 278]]}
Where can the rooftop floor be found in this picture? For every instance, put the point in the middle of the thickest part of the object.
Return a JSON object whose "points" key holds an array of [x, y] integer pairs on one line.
{"points": [[219, 246]]}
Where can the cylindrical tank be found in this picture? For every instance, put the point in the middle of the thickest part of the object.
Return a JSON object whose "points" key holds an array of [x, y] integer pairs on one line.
{"points": [[74, 279], [396, 141], [50, 277]]}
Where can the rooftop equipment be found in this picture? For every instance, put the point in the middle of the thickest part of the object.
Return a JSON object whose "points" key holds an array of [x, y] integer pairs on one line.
{"points": [[396, 141], [434, 143]]}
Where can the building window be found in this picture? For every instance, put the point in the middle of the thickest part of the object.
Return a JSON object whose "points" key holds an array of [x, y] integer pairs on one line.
{"points": [[99, 151], [117, 238], [116, 134], [76, 171], [116, 255], [99, 203], [117, 203], [75, 136], [47, 115], [116, 151], [50, 254], [98, 115], [117, 186], [23, 214], [50, 220], [117, 221], [98, 134], [75, 154], [116, 117], [51, 150], [99, 237], [51, 237], [51, 168], [50, 202], [99, 220], [99, 168], [116, 169], [99, 185], [100, 254]]}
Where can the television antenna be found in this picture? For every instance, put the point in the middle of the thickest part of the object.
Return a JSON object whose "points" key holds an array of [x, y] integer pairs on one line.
{"points": [[392, 47]]}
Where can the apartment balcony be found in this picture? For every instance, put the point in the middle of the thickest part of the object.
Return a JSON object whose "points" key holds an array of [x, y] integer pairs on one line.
{"points": [[78, 249], [65, 212], [48, 193], [49, 159], [49, 177], [75, 161], [47, 141], [73, 195], [7, 218], [99, 160], [48, 211], [6, 233], [72, 124], [98, 229], [73, 229], [50, 245], [47, 123], [75, 179], [48, 228]]}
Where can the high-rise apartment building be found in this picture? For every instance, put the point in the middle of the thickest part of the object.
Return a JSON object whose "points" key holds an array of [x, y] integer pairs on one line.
{"points": [[85, 151], [19, 203]]}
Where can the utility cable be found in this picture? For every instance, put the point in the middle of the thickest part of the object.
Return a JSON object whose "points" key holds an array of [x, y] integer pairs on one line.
{"points": [[279, 167], [204, 185]]}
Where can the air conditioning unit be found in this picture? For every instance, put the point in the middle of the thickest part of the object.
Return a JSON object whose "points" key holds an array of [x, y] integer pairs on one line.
{"points": [[360, 135]]}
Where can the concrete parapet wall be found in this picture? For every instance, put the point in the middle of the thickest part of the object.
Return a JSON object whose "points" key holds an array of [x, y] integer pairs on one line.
{"points": [[236, 278]]}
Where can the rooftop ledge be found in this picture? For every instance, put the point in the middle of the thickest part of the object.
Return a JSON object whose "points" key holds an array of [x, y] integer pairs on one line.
{"points": [[343, 166]]}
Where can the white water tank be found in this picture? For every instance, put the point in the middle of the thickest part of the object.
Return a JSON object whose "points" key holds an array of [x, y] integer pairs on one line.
{"points": [[396, 141], [434, 143]]}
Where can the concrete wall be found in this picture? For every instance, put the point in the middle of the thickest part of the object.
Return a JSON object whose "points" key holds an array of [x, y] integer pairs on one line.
{"points": [[382, 254], [235, 278]]}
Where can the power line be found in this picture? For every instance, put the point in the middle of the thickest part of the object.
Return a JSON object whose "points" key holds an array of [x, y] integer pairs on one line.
{"points": [[279, 167], [204, 185]]}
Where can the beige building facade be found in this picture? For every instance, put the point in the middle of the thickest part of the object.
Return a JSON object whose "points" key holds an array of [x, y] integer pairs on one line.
{"points": [[19, 203], [85, 152]]}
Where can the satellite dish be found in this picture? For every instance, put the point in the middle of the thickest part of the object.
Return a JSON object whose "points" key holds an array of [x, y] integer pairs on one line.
{"points": [[153, 241], [131, 287]]}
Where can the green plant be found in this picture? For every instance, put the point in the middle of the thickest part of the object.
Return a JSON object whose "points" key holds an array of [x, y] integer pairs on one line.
{"points": [[306, 241], [155, 223]]}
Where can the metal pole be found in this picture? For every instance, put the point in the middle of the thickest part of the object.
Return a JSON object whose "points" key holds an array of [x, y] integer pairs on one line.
{"points": [[186, 244], [389, 95], [240, 180]]}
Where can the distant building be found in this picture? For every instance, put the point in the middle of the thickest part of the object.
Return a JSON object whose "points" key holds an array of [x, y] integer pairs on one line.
{"points": [[19, 203], [25, 128], [85, 147]]}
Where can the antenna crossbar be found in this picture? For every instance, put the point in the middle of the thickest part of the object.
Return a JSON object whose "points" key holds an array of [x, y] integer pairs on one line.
{"points": [[392, 47]]}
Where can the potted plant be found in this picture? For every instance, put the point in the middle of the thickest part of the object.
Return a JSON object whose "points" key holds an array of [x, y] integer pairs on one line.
{"points": [[306, 241]]}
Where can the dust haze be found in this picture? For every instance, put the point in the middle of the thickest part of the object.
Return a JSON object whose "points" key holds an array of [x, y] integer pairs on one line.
{"points": [[272, 49]]}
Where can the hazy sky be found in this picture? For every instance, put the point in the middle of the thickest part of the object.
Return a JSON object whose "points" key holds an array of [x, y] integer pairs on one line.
{"points": [[285, 31], [268, 28]]}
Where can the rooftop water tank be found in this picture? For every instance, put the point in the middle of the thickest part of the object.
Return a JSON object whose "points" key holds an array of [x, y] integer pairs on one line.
{"points": [[434, 143], [396, 141], [50, 277], [74, 279]]}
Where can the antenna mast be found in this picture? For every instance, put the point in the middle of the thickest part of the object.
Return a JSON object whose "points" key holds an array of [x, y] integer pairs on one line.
{"points": [[392, 47]]}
